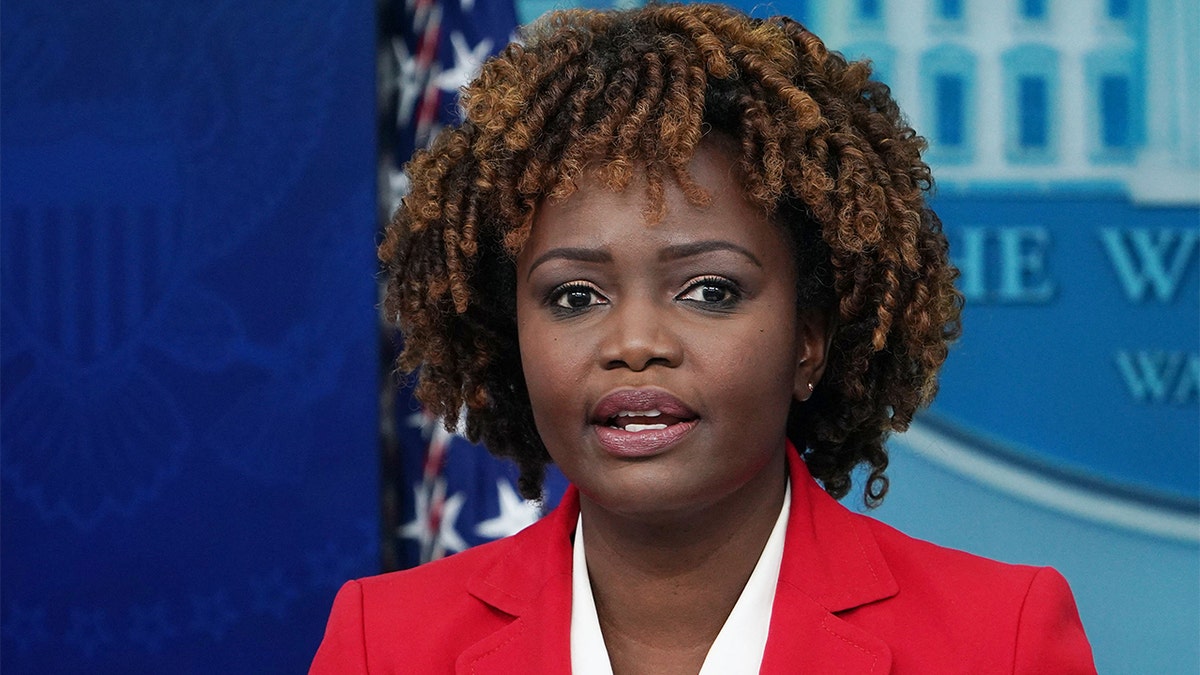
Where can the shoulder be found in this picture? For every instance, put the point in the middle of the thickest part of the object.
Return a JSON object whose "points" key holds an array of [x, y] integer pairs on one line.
{"points": [[938, 610], [918, 562], [424, 616], [433, 582], [1021, 616], [434, 594]]}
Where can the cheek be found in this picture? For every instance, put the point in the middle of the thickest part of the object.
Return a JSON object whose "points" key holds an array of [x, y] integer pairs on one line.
{"points": [[760, 371], [550, 364], [533, 353]]}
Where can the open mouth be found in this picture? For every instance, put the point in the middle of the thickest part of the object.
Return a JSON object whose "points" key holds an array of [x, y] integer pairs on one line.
{"points": [[638, 423], [642, 420]]}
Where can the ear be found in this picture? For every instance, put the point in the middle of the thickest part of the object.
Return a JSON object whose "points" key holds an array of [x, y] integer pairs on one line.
{"points": [[813, 335]]}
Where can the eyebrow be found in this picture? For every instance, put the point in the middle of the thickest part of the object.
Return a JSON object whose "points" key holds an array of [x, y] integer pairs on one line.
{"points": [[592, 255], [677, 251], [672, 252]]}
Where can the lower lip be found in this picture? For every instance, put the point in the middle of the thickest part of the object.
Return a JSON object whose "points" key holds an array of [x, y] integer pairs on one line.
{"points": [[632, 444]]}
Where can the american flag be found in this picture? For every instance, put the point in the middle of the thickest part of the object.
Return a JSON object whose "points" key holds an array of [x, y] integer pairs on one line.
{"points": [[434, 48], [446, 493]]}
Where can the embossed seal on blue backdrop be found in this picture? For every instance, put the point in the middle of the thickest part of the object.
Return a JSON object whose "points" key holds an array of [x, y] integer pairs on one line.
{"points": [[188, 328]]}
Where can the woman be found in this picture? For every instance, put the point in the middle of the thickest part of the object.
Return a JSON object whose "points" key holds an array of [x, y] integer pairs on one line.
{"points": [[686, 256]]}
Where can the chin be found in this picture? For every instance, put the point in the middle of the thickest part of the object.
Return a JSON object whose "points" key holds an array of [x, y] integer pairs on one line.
{"points": [[650, 497]]}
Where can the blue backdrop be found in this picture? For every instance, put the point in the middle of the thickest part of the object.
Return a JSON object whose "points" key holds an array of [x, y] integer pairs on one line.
{"points": [[189, 390]]}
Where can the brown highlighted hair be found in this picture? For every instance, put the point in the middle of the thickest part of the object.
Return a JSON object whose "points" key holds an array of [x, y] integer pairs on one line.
{"points": [[822, 148]]}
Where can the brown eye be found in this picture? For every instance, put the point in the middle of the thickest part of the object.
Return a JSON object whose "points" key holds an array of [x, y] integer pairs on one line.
{"points": [[575, 297], [712, 293]]}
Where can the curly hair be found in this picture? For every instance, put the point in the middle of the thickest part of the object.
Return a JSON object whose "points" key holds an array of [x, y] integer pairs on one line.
{"points": [[823, 149]]}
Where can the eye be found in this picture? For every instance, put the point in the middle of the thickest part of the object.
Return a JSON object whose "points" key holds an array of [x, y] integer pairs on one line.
{"points": [[576, 296], [712, 292]]}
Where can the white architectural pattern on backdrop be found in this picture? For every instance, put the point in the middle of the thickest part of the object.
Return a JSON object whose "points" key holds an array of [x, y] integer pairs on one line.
{"points": [[1040, 95]]}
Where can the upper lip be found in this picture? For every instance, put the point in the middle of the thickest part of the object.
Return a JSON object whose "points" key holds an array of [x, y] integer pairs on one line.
{"points": [[640, 400]]}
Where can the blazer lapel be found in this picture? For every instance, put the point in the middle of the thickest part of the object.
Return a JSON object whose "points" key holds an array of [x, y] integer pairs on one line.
{"points": [[831, 564], [806, 638], [532, 584]]}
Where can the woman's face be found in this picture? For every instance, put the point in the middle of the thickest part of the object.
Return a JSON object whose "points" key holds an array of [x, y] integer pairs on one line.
{"points": [[661, 359]]}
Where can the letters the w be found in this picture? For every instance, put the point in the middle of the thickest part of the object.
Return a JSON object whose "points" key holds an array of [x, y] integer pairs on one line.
{"points": [[1150, 260]]}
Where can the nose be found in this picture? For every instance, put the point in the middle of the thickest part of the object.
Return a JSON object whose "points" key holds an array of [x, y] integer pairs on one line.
{"points": [[638, 333]]}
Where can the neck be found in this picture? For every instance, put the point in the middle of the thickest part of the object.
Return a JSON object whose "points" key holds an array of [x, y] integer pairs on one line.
{"points": [[669, 583]]}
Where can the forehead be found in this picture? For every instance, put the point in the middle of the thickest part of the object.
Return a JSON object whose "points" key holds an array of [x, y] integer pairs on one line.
{"points": [[596, 216]]}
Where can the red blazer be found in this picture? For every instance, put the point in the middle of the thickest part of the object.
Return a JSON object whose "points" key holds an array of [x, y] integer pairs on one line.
{"points": [[854, 596]]}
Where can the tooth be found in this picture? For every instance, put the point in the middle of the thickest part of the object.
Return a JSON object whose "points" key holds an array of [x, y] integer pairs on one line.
{"points": [[644, 427], [639, 413]]}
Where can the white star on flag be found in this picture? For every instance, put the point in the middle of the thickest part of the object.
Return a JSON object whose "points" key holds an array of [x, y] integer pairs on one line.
{"points": [[467, 62], [407, 83], [417, 420], [515, 514], [446, 538]]}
